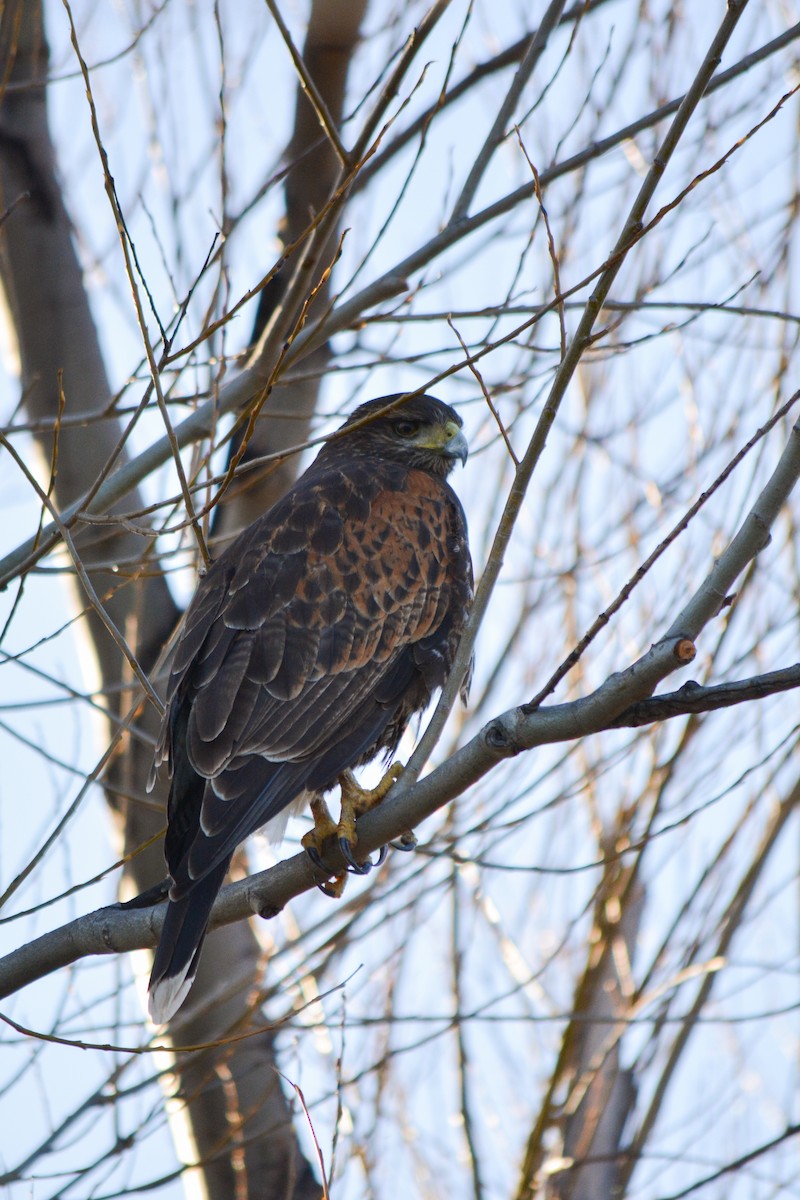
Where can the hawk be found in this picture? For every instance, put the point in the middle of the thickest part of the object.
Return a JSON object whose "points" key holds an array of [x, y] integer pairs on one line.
{"points": [[307, 648]]}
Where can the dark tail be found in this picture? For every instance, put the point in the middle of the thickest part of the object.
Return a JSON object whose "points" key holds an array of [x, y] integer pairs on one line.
{"points": [[178, 951]]}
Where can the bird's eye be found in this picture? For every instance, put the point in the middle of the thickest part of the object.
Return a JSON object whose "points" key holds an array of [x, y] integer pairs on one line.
{"points": [[406, 428]]}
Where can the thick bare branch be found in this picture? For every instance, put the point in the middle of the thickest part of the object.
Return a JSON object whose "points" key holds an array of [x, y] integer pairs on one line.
{"points": [[506, 736], [61, 354]]}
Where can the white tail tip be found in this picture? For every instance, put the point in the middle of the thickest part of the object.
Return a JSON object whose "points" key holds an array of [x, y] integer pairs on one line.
{"points": [[165, 997]]}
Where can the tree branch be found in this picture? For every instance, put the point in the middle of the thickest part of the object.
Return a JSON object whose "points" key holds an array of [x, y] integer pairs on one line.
{"points": [[120, 928], [692, 698]]}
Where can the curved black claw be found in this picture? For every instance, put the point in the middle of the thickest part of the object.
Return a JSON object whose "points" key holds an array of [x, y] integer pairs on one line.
{"points": [[353, 866], [333, 890], [357, 868], [314, 855], [330, 889], [406, 843]]}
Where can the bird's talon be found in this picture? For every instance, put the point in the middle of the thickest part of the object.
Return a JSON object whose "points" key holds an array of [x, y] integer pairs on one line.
{"points": [[407, 842], [315, 857], [353, 865], [381, 859], [333, 887]]}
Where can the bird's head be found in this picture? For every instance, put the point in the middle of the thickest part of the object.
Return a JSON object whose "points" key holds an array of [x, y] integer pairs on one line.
{"points": [[421, 432]]}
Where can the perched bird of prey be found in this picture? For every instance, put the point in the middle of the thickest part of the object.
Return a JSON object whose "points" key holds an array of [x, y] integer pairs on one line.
{"points": [[308, 646]]}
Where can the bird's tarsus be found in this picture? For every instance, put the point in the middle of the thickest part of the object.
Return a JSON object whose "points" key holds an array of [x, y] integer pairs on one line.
{"points": [[355, 802]]}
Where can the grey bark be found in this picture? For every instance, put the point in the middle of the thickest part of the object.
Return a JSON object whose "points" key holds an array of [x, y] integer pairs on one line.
{"points": [[600, 1091]]}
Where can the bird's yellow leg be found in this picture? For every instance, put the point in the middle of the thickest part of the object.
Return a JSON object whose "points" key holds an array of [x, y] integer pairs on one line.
{"points": [[355, 802], [312, 842], [324, 824]]}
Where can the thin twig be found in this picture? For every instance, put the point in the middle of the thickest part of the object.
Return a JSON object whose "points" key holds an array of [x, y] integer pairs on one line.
{"points": [[467, 1115], [678, 528], [88, 587], [566, 369], [127, 245], [486, 393], [729, 927], [310, 88], [499, 130], [320, 1158]]}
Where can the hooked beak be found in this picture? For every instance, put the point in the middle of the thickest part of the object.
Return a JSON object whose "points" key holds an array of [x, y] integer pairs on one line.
{"points": [[457, 445]]}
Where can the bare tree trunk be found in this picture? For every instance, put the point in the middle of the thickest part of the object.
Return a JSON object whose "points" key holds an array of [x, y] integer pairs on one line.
{"points": [[591, 1095], [601, 1092], [237, 1117]]}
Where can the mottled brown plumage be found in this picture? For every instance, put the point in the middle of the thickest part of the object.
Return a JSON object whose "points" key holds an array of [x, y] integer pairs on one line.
{"points": [[307, 648]]}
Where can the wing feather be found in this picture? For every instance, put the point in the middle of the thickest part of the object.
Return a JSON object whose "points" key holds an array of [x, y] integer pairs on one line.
{"points": [[299, 659], [200, 618], [337, 638], [220, 682], [209, 757], [268, 650]]}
